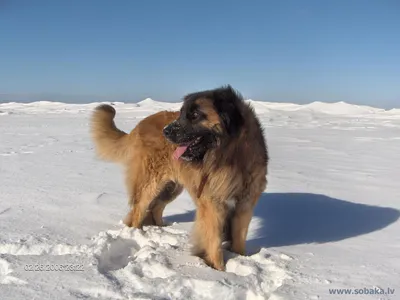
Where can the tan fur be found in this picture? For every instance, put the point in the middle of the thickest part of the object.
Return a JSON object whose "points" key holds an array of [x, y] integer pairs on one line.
{"points": [[154, 179], [212, 116], [110, 142]]}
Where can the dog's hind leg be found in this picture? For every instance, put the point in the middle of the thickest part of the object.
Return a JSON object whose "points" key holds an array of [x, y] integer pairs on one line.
{"points": [[139, 214], [149, 204], [170, 191]]}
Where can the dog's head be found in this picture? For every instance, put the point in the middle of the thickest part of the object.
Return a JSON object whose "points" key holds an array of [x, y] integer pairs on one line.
{"points": [[207, 119]]}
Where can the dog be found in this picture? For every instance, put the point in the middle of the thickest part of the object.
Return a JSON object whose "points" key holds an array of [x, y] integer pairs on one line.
{"points": [[214, 147]]}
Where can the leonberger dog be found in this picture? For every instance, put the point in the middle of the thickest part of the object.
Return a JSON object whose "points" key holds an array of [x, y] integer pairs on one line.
{"points": [[214, 147]]}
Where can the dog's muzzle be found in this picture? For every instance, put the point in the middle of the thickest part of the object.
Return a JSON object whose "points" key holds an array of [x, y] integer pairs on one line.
{"points": [[170, 131]]}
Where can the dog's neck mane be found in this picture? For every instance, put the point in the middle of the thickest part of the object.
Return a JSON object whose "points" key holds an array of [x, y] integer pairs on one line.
{"points": [[235, 146]]}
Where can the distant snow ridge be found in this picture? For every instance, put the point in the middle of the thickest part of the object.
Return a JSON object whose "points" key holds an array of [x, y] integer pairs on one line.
{"points": [[342, 108], [149, 103], [338, 108]]}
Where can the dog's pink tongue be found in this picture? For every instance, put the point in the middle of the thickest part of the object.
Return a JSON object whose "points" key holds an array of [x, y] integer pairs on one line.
{"points": [[179, 151]]}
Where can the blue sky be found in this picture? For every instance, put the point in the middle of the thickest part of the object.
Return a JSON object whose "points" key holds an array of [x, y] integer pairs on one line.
{"points": [[286, 51]]}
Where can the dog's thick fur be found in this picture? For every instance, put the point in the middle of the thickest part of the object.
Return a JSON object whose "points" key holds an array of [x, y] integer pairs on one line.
{"points": [[225, 173]]}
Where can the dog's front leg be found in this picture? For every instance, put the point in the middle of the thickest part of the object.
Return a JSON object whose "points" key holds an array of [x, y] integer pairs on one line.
{"points": [[208, 230]]}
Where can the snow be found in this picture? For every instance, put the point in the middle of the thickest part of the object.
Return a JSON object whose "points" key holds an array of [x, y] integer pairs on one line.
{"points": [[328, 219]]}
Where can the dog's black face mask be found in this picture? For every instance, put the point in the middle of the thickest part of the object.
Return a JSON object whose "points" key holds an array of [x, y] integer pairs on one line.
{"points": [[193, 139]]}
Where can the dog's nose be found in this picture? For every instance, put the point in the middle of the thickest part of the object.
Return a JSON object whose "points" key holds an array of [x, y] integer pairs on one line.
{"points": [[167, 130]]}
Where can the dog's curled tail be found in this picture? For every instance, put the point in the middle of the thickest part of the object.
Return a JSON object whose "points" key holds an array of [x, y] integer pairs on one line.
{"points": [[111, 143]]}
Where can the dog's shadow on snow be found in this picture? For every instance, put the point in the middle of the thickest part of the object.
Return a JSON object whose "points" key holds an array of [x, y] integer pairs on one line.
{"points": [[284, 219]]}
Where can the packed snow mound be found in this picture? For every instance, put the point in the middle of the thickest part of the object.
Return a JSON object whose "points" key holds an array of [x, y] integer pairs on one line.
{"points": [[394, 111], [148, 102], [261, 106], [157, 105], [143, 264], [342, 108]]}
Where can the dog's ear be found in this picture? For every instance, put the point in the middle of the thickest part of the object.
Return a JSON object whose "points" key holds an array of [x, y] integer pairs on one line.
{"points": [[227, 103]]}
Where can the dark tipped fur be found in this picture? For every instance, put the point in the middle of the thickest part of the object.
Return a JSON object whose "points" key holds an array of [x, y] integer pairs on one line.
{"points": [[228, 104]]}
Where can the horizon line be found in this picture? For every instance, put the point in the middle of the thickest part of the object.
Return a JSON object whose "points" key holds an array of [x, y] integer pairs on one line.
{"points": [[180, 101], [91, 98]]}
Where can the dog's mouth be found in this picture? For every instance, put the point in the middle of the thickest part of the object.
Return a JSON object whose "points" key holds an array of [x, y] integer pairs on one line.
{"points": [[186, 147]]}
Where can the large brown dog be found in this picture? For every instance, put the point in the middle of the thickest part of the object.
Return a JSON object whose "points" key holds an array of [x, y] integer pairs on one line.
{"points": [[214, 148]]}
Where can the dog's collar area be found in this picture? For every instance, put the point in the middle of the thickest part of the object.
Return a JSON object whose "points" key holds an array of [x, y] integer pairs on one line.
{"points": [[201, 186]]}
